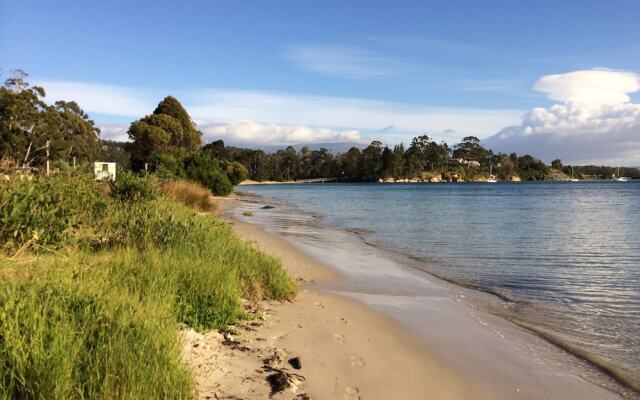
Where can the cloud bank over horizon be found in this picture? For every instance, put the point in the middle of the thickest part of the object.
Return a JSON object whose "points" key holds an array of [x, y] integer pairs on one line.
{"points": [[249, 133], [266, 118], [595, 122]]}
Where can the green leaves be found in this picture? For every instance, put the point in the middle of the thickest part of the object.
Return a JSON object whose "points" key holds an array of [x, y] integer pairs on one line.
{"points": [[169, 128], [27, 123]]}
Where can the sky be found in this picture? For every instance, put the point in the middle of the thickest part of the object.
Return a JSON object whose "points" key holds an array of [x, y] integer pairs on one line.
{"points": [[556, 79]]}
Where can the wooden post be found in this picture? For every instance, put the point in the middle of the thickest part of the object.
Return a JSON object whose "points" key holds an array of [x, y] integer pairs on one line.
{"points": [[47, 158]]}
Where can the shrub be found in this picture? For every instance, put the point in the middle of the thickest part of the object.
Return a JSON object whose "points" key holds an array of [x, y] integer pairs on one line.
{"points": [[131, 187], [168, 164], [236, 172], [205, 170]]}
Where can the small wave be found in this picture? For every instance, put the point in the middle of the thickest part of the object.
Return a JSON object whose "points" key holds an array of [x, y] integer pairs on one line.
{"points": [[363, 233], [618, 374]]}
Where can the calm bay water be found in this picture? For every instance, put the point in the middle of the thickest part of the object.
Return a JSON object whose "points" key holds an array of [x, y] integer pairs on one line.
{"points": [[567, 254]]}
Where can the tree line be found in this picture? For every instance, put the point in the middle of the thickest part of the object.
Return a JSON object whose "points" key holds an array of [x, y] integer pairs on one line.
{"points": [[424, 159], [168, 143]]}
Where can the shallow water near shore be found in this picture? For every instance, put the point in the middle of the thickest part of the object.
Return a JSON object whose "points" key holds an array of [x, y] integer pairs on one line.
{"points": [[566, 254]]}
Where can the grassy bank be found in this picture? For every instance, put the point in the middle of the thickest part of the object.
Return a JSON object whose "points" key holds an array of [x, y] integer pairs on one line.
{"points": [[96, 280]]}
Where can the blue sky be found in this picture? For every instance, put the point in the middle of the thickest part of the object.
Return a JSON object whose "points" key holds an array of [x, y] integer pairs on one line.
{"points": [[341, 70]]}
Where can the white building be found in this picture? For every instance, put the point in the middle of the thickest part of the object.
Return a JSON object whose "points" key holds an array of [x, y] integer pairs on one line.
{"points": [[105, 170]]}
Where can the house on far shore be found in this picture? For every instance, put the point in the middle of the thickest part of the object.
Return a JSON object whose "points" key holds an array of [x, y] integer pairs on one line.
{"points": [[471, 163], [104, 170]]}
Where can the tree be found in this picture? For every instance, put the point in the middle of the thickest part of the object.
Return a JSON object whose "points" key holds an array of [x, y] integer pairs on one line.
{"points": [[78, 132], [191, 138], [508, 167], [531, 169], [217, 150], [27, 123], [147, 139], [398, 164], [169, 128], [289, 163], [387, 160], [372, 161], [557, 163], [350, 164], [470, 149]]}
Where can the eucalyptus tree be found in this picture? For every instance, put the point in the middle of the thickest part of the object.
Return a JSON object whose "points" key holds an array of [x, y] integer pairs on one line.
{"points": [[28, 126]]}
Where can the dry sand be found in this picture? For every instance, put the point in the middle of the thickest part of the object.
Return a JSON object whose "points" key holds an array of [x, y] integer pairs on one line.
{"points": [[347, 350]]}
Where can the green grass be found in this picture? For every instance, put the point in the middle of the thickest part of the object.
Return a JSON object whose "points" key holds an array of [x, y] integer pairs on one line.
{"points": [[92, 310]]}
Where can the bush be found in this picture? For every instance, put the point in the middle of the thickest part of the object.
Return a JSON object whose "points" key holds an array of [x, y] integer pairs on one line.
{"points": [[131, 187], [168, 164], [205, 170], [236, 172]]}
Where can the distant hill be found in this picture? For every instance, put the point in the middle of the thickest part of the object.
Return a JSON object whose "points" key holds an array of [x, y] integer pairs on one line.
{"points": [[335, 148]]}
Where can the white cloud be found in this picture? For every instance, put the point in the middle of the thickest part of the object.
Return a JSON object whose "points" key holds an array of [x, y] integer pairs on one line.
{"points": [[341, 61], [100, 98], [360, 114], [116, 132], [252, 133], [595, 123], [597, 86], [339, 114]]}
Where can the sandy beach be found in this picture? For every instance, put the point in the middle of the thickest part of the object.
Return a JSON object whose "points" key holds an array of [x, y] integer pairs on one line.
{"points": [[347, 350], [357, 339]]}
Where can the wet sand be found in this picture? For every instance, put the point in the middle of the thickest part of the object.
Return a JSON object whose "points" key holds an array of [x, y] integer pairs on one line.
{"points": [[368, 327]]}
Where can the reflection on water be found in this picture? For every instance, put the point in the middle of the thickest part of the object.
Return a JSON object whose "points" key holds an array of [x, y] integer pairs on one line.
{"points": [[569, 253]]}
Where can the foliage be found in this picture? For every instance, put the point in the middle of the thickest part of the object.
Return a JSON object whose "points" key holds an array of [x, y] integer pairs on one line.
{"points": [[112, 151], [235, 171], [169, 164], [132, 187], [48, 212], [101, 321], [531, 169], [191, 137], [69, 333], [169, 128], [27, 123], [206, 171]]}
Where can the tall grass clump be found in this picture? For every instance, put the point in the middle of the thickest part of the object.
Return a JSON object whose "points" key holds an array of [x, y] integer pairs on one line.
{"points": [[49, 212], [95, 281], [189, 194], [67, 332]]}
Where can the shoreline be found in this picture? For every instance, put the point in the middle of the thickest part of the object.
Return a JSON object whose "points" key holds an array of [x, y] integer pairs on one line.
{"points": [[347, 350], [567, 386]]}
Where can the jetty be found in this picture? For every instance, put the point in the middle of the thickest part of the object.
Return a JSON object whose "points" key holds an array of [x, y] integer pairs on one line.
{"points": [[317, 180]]}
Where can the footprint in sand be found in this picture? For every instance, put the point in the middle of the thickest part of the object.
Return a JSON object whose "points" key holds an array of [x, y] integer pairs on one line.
{"points": [[352, 393], [338, 338], [357, 361], [318, 304]]}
